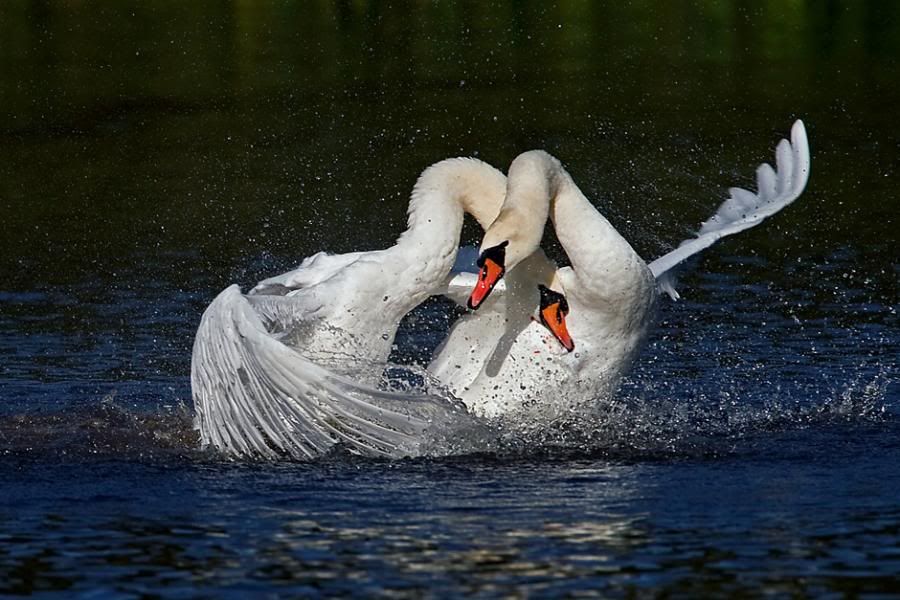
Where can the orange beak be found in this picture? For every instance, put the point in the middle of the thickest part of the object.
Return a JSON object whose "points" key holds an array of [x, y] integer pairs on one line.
{"points": [[554, 319], [553, 311], [490, 274]]}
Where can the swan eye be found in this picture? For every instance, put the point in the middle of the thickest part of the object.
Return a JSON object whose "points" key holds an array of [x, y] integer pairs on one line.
{"points": [[550, 297], [494, 253]]}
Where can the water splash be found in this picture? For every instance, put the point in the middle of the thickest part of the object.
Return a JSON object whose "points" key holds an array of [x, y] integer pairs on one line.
{"points": [[109, 429], [646, 420]]}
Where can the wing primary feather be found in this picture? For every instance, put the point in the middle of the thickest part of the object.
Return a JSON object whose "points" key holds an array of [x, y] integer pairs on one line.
{"points": [[776, 189], [256, 397]]}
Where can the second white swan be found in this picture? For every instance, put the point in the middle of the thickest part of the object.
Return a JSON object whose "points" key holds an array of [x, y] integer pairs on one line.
{"points": [[514, 368]]}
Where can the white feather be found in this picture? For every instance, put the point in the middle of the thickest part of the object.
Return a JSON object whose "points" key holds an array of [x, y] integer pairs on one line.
{"points": [[776, 189], [262, 398], [461, 284], [313, 270]]}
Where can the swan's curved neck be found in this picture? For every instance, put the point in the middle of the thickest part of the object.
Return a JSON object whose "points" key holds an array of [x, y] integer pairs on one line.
{"points": [[587, 236], [538, 184], [441, 196], [605, 265], [520, 224], [447, 189]]}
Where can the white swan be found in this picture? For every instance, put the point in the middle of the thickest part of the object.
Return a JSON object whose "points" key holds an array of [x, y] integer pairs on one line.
{"points": [[257, 395], [257, 375], [513, 368], [609, 289]]}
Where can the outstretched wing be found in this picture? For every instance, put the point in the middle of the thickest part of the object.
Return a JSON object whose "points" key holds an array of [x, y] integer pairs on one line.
{"points": [[460, 285], [255, 396], [776, 188], [313, 270]]}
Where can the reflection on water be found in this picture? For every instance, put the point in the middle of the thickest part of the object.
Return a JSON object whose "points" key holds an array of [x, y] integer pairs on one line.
{"points": [[694, 527], [150, 155]]}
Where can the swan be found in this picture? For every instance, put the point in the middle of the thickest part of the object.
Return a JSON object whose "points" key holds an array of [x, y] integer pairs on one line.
{"points": [[256, 389], [599, 308], [275, 370], [609, 290]]}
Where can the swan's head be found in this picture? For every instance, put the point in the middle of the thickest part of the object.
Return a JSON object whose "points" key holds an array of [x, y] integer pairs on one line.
{"points": [[500, 253], [552, 314], [492, 266], [517, 231]]}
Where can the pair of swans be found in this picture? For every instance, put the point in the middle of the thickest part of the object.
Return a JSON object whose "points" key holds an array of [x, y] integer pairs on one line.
{"points": [[598, 310], [289, 368]]}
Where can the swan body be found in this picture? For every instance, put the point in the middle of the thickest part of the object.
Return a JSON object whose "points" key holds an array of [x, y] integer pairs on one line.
{"points": [[256, 367], [478, 341], [610, 290], [270, 369]]}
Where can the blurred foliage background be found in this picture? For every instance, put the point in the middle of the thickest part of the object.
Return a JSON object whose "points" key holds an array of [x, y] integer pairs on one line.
{"points": [[232, 137]]}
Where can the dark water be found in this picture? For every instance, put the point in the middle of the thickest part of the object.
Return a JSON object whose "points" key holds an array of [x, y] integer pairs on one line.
{"points": [[150, 155]]}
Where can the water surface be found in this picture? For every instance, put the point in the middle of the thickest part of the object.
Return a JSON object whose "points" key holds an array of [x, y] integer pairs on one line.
{"points": [[150, 156]]}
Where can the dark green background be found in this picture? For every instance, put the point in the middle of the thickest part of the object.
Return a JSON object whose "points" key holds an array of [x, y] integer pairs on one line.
{"points": [[153, 152], [228, 139]]}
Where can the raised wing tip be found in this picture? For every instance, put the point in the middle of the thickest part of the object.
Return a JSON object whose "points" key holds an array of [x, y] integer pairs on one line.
{"points": [[800, 146], [776, 188], [798, 137]]}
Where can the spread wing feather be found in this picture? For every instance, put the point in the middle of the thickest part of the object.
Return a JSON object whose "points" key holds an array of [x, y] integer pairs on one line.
{"points": [[313, 270], [776, 188], [255, 396]]}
